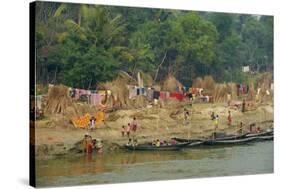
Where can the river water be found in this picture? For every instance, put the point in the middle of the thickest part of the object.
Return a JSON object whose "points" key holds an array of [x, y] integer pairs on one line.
{"points": [[127, 166]]}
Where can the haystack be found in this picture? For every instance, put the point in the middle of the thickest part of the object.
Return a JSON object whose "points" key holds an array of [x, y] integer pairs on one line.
{"points": [[220, 93], [197, 83], [140, 102], [264, 83], [171, 84], [208, 83], [119, 93], [252, 92], [58, 100]]}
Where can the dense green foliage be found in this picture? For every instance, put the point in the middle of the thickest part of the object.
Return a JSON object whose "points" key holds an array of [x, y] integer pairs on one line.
{"points": [[80, 45]]}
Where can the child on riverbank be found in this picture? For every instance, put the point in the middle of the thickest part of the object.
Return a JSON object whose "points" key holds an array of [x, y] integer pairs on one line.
{"points": [[123, 131], [128, 130]]}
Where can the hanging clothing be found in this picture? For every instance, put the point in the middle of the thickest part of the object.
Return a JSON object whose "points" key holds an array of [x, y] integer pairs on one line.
{"points": [[179, 96], [156, 94], [132, 92], [83, 92], [77, 94], [150, 93], [95, 99], [163, 95], [142, 91], [167, 94]]}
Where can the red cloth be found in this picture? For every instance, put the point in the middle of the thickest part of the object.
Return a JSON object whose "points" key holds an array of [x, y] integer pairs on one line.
{"points": [[162, 95], [179, 96], [89, 148]]}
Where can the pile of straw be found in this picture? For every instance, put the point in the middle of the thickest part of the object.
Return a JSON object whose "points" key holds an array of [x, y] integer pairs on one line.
{"points": [[58, 100], [171, 84], [207, 83], [119, 93], [264, 83], [217, 91]]}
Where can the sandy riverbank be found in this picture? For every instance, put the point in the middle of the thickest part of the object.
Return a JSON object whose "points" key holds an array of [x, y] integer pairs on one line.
{"points": [[155, 122]]}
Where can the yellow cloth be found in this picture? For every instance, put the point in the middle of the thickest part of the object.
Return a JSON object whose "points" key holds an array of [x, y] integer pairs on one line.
{"points": [[82, 122], [100, 116]]}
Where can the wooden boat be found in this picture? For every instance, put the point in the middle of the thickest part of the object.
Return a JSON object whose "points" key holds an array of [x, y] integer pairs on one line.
{"points": [[229, 142], [186, 140], [149, 147], [230, 137], [261, 138], [266, 133], [194, 144]]}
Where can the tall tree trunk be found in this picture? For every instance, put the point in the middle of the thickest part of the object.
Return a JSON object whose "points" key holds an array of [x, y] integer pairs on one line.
{"points": [[90, 83], [55, 77], [163, 59], [79, 18]]}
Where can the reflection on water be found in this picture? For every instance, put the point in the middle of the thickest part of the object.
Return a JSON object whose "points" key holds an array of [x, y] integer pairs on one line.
{"points": [[130, 166]]}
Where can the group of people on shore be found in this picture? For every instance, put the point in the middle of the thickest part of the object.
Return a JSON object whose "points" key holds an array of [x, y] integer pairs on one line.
{"points": [[89, 144], [159, 143], [132, 142], [131, 127]]}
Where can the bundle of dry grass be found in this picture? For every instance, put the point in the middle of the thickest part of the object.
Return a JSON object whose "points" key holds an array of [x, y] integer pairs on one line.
{"points": [[264, 83], [58, 100], [119, 97], [220, 93], [140, 102], [252, 92], [232, 90], [171, 84], [208, 83], [197, 83]]}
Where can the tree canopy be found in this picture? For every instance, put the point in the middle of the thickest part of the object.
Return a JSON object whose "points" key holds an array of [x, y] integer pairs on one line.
{"points": [[80, 45]]}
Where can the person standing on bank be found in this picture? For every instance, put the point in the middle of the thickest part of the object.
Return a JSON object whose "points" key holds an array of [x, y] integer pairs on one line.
{"points": [[134, 125], [243, 105], [229, 118], [186, 117]]}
